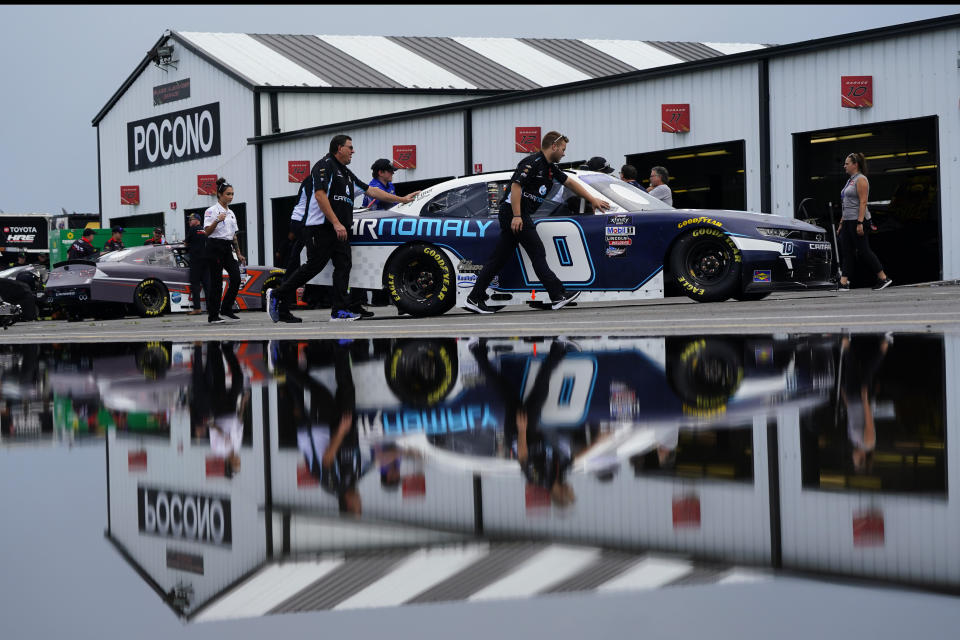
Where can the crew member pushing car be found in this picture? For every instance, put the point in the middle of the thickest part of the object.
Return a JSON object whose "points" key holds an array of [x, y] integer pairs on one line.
{"points": [[528, 187], [326, 232], [83, 248]]}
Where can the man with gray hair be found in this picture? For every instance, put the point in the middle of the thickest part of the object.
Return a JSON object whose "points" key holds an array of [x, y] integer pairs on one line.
{"points": [[658, 185]]}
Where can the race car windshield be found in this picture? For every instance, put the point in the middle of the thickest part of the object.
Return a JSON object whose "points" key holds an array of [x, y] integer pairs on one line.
{"points": [[625, 195], [116, 256]]}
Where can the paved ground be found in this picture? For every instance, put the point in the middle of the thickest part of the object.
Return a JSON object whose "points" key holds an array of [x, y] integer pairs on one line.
{"points": [[912, 308]]}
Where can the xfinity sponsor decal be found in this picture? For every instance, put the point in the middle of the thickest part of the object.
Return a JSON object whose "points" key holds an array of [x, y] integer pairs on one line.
{"points": [[374, 228], [761, 275], [25, 233], [700, 220], [174, 137], [184, 515], [820, 246], [620, 231], [619, 219]]}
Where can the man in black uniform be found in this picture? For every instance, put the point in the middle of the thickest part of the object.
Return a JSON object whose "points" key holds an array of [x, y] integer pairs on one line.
{"points": [[327, 225], [196, 242], [115, 243], [83, 248], [530, 183]]}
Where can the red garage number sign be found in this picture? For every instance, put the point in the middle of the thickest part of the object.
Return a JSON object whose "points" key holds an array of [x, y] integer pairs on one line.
{"points": [[405, 156], [207, 184], [675, 118], [528, 139], [856, 92], [130, 194], [297, 170]]}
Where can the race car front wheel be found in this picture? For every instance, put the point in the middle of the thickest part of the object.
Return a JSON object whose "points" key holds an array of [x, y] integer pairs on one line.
{"points": [[706, 264], [420, 280], [150, 298], [421, 373]]}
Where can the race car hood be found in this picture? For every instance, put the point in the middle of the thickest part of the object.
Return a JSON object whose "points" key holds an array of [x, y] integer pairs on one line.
{"points": [[759, 219]]}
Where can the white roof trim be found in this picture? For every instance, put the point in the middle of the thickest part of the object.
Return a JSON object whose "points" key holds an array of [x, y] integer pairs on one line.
{"points": [[639, 55], [254, 60], [522, 59], [397, 62], [729, 48]]}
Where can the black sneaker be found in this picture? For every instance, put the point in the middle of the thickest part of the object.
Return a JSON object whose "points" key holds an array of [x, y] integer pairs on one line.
{"points": [[229, 314], [882, 284], [362, 311], [565, 300], [289, 317], [843, 287], [217, 320], [477, 307]]}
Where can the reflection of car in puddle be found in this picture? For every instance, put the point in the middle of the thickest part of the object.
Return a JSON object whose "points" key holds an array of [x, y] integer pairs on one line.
{"points": [[432, 394]]}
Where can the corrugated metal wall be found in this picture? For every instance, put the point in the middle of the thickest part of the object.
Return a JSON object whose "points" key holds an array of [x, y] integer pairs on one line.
{"points": [[625, 119], [159, 186], [913, 76], [304, 110]]}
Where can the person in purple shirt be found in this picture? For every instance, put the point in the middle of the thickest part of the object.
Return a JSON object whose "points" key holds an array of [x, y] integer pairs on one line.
{"points": [[383, 172]]}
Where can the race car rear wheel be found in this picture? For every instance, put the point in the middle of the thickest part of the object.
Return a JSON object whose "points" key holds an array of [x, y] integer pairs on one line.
{"points": [[704, 373], [706, 265], [420, 280], [421, 373], [150, 298]]}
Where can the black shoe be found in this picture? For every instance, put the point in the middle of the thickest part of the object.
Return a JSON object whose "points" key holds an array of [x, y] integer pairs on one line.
{"points": [[289, 317], [216, 320], [229, 314], [565, 300], [477, 307], [361, 311], [843, 287], [882, 284]]}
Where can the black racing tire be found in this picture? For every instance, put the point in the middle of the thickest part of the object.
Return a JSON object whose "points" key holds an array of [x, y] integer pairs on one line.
{"points": [[153, 360], [421, 373], [745, 296], [704, 373], [420, 280], [272, 282], [150, 298], [706, 264]]}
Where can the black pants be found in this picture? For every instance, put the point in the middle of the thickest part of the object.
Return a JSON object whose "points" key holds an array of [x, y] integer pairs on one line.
{"points": [[322, 245], [220, 258], [855, 247], [199, 278], [530, 240]]}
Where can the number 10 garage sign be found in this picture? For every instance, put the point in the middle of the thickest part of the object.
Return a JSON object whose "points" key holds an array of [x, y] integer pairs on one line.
{"points": [[174, 137]]}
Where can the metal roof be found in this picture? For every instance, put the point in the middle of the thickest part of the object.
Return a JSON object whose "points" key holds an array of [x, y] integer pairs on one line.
{"points": [[491, 64]]}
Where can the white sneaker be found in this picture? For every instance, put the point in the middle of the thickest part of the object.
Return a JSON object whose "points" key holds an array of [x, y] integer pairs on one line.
{"points": [[565, 300]]}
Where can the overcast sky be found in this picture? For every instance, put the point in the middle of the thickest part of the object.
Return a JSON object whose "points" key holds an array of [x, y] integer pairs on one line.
{"points": [[64, 62]]}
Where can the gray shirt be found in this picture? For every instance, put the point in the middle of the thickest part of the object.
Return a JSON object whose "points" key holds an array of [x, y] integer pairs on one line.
{"points": [[850, 199], [662, 193]]}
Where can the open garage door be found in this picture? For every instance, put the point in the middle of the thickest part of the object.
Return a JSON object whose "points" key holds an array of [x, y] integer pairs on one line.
{"points": [[704, 177], [902, 166]]}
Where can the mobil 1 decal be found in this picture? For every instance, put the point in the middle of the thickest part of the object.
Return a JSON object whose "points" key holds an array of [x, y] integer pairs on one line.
{"points": [[184, 515], [174, 137]]}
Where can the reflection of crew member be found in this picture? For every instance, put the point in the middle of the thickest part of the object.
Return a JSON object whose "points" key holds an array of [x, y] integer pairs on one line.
{"points": [[216, 410], [860, 366]]}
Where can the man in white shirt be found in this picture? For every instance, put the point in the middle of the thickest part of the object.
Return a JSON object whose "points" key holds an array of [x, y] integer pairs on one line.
{"points": [[658, 185]]}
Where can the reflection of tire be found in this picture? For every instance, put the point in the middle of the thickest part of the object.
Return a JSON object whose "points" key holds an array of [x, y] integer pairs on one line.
{"points": [[706, 265], [150, 298], [272, 282], [421, 373], [745, 296], [704, 373], [420, 280], [153, 360]]}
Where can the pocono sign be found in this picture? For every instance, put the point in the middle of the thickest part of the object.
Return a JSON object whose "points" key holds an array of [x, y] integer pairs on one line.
{"points": [[184, 516], [174, 137]]}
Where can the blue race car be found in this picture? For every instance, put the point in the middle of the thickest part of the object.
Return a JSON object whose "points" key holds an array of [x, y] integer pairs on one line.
{"points": [[426, 254]]}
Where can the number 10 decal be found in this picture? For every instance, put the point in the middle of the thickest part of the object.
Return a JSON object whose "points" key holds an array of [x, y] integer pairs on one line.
{"points": [[567, 253], [570, 391]]}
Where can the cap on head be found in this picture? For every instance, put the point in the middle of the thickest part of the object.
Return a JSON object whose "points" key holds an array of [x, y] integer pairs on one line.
{"points": [[195, 216], [117, 229], [158, 230], [383, 165], [88, 233], [598, 163]]}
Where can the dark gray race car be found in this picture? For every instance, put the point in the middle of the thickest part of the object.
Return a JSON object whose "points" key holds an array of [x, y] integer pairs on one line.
{"points": [[148, 280]]}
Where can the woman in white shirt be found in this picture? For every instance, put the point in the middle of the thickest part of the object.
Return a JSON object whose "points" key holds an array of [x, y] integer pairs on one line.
{"points": [[220, 226]]}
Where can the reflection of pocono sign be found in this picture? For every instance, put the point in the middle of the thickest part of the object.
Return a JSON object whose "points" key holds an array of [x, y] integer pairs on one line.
{"points": [[174, 137], [187, 516]]}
